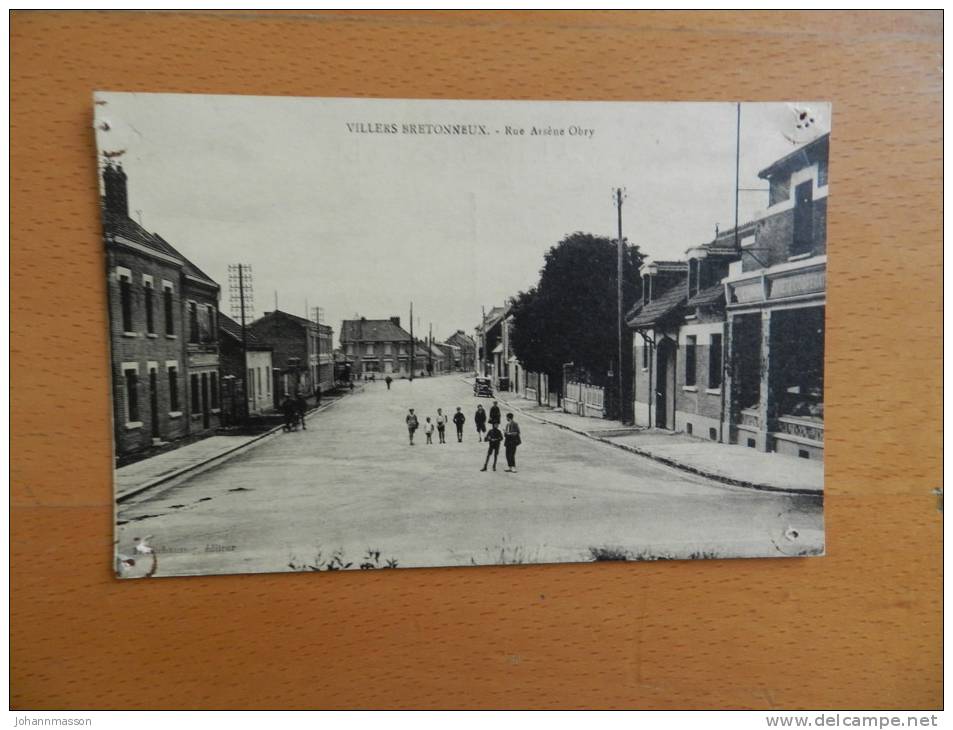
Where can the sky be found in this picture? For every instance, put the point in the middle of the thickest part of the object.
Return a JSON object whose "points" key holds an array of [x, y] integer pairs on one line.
{"points": [[332, 214]]}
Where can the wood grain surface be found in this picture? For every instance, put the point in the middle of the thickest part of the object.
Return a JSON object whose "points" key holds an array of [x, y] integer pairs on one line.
{"points": [[858, 628]]}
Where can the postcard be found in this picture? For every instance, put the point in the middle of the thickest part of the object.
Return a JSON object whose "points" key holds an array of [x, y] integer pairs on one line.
{"points": [[358, 334]]}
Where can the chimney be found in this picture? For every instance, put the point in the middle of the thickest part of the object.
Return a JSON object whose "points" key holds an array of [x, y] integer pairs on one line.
{"points": [[114, 183], [395, 320]]}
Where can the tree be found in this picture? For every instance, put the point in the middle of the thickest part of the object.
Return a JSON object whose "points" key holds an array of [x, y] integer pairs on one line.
{"points": [[570, 316]]}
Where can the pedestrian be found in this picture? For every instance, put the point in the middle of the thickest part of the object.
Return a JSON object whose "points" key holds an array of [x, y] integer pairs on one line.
{"points": [[289, 411], [495, 416], [350, 385], [301, 407], [388, 380], [493, 438], [480, 419], [411, 425], [458, 420], [511, 439], [442, 425], [428, 430]]}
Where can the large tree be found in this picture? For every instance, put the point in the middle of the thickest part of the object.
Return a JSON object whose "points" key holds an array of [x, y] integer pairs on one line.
{"points": [[570, 316]]}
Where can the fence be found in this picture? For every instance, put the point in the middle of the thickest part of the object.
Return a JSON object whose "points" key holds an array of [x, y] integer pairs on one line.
{"points": [[583, 399]]}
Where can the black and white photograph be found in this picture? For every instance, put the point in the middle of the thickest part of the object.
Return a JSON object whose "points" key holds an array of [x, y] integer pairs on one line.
{"points": [[358, 334]]}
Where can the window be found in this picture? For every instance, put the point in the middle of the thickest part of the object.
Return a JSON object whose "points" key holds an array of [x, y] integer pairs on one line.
{"points": [[125, 300], [690, 354], [369, 348], [645, 355], [251, 384], [212, 324], [803, 218], [213, 386], [258, 373], [169, 310], [132, 396], [173, 389], [779, 190], [196, 402], [193, 322], [714, 362], [822, 172], [150, 314], [387, 348]]}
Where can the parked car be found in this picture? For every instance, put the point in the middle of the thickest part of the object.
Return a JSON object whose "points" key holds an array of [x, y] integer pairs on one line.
{"points": [[483, 387]]}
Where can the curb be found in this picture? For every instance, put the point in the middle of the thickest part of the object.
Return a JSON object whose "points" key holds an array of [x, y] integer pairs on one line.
{"points": [[175, 477], [671, 462]]}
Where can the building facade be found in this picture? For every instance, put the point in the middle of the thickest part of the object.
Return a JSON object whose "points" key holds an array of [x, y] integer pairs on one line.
{"points": [[150, 286], [243, 390], [467, 351], [381, 346], [302, 353], [729, 345]]}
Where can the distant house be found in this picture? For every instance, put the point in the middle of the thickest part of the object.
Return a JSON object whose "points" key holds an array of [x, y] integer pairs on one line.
{"points": [[162, 331], [253, 386], [375, 346], [301, 352], [467, 351]]}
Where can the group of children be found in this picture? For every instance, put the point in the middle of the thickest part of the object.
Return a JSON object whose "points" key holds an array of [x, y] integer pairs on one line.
{"points": [[510, 438]]}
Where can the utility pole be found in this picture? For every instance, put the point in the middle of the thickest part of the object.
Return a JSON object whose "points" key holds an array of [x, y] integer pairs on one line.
{"points": [[620, 253], [239, 279], [413, 345], [483, 341], [737, 168], [430, 350]]}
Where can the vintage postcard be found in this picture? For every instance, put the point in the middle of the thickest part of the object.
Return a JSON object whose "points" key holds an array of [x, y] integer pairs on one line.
{"points": [[381, 333]]}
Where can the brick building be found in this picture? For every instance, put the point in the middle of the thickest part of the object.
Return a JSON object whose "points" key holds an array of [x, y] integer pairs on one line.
{"points": [[150, 287], [729, 344], [302, 353]]}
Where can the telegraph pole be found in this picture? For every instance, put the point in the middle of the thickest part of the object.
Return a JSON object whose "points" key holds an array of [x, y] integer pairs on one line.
{"points": [[413, 346], [737, 168], [620, 252], [239, 279], [430, 350]]}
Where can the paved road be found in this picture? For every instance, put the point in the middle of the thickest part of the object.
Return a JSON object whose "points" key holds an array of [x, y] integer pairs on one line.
{"points": [[351, 483]]}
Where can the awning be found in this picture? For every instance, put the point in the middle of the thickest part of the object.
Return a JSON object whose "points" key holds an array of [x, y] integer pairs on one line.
{"points": [[498, 348]]}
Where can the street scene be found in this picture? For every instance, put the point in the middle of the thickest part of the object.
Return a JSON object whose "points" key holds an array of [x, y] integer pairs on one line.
{"points": [[352, 486], [318, 367]]}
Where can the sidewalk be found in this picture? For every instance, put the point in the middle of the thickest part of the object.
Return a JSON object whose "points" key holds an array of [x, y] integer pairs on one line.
{"points": [[727, 463], [166, 468]]}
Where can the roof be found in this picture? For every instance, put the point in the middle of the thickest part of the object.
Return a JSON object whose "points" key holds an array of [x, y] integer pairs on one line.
{"points": [[498, 348], [190, 269], [711, 295], [125, 227], [233, 329], [294, 318], [659, 309], [372, 330], [493, 317], [799, 158]]}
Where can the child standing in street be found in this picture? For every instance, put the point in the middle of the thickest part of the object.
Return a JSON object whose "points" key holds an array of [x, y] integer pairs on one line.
{"points": [[428, 430], [411, 424], [441, 426], [458, 420]]}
